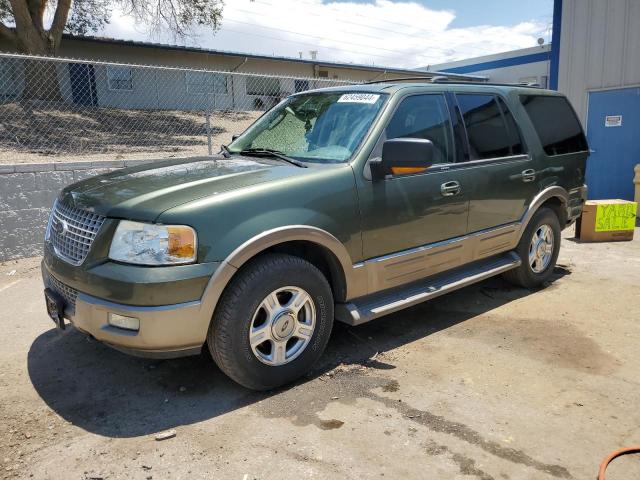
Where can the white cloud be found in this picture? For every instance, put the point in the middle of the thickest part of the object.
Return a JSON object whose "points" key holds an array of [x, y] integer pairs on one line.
{"points": [[385, 32]]}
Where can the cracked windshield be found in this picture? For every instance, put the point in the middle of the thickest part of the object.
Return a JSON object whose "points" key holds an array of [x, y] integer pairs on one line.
{"points": [[315, 127]]}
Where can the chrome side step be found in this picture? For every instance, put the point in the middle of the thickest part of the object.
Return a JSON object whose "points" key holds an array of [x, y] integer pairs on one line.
{"points": [[367, 308]]}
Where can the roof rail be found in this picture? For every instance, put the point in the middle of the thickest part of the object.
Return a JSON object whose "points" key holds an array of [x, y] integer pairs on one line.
{"points": [[497, 84], [406, 79], [444, 79]]}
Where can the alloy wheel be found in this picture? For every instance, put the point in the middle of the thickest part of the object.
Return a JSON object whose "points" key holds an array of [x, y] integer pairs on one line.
{"points": [[282, 326]]}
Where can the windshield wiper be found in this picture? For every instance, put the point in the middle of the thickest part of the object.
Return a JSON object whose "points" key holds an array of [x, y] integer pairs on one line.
{"points": [[225, 151], [267, 152]]}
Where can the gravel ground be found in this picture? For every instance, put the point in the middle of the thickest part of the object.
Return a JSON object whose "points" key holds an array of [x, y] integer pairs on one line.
{"points": [[491, 382], [106, 134]]}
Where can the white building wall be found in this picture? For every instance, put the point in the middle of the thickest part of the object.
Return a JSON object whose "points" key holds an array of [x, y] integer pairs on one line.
{"points": [[537, 72], [598, 48]]}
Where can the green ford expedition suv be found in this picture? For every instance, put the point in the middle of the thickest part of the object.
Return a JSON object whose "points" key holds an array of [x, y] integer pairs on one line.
{"points": [[344, 203]]}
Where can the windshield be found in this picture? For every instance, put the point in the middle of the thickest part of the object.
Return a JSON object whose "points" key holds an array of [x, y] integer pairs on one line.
{"points": [[315, 127]]}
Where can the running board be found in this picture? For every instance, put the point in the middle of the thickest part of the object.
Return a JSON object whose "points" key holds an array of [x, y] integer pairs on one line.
{"points": [[367, 308]]}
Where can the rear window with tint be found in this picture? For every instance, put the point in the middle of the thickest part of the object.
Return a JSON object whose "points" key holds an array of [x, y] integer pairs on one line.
{"points": [[555, 123]]}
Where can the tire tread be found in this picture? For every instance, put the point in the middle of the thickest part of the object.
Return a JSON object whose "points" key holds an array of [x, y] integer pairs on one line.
{"points": [[219, 336]]}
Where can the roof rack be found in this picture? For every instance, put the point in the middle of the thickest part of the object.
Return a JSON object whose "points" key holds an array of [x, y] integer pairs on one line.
{"points": [[445, 79], [405, 79]]}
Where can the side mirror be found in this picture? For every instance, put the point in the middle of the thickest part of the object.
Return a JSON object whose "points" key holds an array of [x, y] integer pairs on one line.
{"points": [[234, 137], [403, 156]]}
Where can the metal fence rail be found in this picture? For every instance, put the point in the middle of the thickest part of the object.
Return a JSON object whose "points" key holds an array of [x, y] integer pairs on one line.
{"points": [[59, 108]]}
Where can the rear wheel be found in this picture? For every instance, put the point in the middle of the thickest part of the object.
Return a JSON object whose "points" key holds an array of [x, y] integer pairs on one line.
{"points": [[272, 322], [538, 249]]}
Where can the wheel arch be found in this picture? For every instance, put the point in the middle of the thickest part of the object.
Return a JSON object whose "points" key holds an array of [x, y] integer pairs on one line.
{"points": [[311, 243], [556, 198]]}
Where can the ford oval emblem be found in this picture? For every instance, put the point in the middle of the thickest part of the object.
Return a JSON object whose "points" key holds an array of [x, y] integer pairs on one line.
{"points": [[60, 227]]}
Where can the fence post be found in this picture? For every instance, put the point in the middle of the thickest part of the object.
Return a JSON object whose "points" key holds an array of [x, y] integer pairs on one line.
{"points": [[209, 146]]}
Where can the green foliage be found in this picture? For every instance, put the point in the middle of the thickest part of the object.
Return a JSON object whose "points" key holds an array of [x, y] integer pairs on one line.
{"points": [[91, 16]]}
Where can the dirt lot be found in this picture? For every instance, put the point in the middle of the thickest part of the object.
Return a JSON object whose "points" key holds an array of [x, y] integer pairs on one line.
{"points": [[46, 134], [491, 382]]}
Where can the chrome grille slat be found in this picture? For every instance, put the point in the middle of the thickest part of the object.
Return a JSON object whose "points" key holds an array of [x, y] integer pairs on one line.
{"points": [[73, 244], [70, 222], [66, 292]]}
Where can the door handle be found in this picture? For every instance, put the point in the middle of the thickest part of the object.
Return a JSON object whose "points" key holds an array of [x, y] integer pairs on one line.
{"points": [[450, 189], [528, 175]]}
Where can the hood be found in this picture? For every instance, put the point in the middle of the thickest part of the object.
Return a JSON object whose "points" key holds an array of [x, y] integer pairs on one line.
{"points": [[145, 191]]}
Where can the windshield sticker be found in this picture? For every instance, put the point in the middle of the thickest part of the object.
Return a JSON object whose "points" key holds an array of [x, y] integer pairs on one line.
{"points": [[359, 98]]}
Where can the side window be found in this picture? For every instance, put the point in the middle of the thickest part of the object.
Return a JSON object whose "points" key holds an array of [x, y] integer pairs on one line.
{"points": [[515, 142], [555, 123], [424, 116], [485, 124]]}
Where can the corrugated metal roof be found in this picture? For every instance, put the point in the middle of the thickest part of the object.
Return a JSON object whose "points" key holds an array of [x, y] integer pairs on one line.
{"points": [[136, 43]]}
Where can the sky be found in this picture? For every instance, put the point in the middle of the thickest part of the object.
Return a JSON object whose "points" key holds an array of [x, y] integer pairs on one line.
{"points": [[394, 33]]}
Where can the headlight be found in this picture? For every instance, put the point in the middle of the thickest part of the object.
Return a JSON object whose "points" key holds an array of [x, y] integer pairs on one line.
{"points": [[149, 244]]}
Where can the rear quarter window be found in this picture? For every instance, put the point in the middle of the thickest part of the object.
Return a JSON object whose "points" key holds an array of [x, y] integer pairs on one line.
{"points": [[555, 123]]}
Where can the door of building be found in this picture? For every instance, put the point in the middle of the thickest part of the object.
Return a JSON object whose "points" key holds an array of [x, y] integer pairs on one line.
{"points": [[83, 84], [613, 125]]}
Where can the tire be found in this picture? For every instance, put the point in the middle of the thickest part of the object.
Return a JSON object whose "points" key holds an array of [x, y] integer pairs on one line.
{"points": [[532, 276], [244, 309]]}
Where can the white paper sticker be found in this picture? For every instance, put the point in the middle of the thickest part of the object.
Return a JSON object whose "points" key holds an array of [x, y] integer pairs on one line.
{"points": [[359, 98], [613, 121]]}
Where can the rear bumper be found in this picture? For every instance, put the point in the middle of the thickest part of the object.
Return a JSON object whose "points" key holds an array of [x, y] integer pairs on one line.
{"points": [[577, 197], [165, 331]]}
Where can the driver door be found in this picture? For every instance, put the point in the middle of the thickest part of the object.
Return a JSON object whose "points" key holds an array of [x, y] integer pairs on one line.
{"points": [[404, 212]]}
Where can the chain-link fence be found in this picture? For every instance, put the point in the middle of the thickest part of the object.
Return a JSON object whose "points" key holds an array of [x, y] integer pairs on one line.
{"points": [[61, 109]]}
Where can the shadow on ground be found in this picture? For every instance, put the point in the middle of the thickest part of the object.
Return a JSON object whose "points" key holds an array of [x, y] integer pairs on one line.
{"points": [[111, 394]]}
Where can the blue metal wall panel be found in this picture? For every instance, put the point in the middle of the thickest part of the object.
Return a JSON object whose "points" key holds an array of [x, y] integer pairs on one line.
{"points": [[504, 62], [555, 45], [616, 149]]}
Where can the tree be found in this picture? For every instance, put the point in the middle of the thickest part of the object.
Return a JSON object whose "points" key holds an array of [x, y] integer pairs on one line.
{"points": [[23, 21]]}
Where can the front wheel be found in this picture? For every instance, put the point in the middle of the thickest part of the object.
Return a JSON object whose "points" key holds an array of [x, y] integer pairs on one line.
{"points": [[538, 249], [272, 322]]}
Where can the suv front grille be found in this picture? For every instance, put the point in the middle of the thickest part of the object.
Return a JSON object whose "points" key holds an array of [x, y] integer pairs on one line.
{"points": [[66, 292], [71, 232]]}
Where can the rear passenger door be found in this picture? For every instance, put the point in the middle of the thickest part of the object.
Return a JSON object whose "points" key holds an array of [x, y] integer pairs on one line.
{"points": [[503, 177]]}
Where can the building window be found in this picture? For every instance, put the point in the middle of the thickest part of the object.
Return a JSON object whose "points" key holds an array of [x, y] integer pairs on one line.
{"points": [[206, 82], [120, 78], [268, 86], [300, 85]]}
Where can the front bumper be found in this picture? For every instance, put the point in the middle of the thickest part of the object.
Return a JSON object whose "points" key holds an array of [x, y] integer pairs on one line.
{"points": [[166, 331]]}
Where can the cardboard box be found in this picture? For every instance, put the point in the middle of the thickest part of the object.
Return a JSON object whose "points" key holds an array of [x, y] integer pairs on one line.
{"points": [[607, 221]]}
